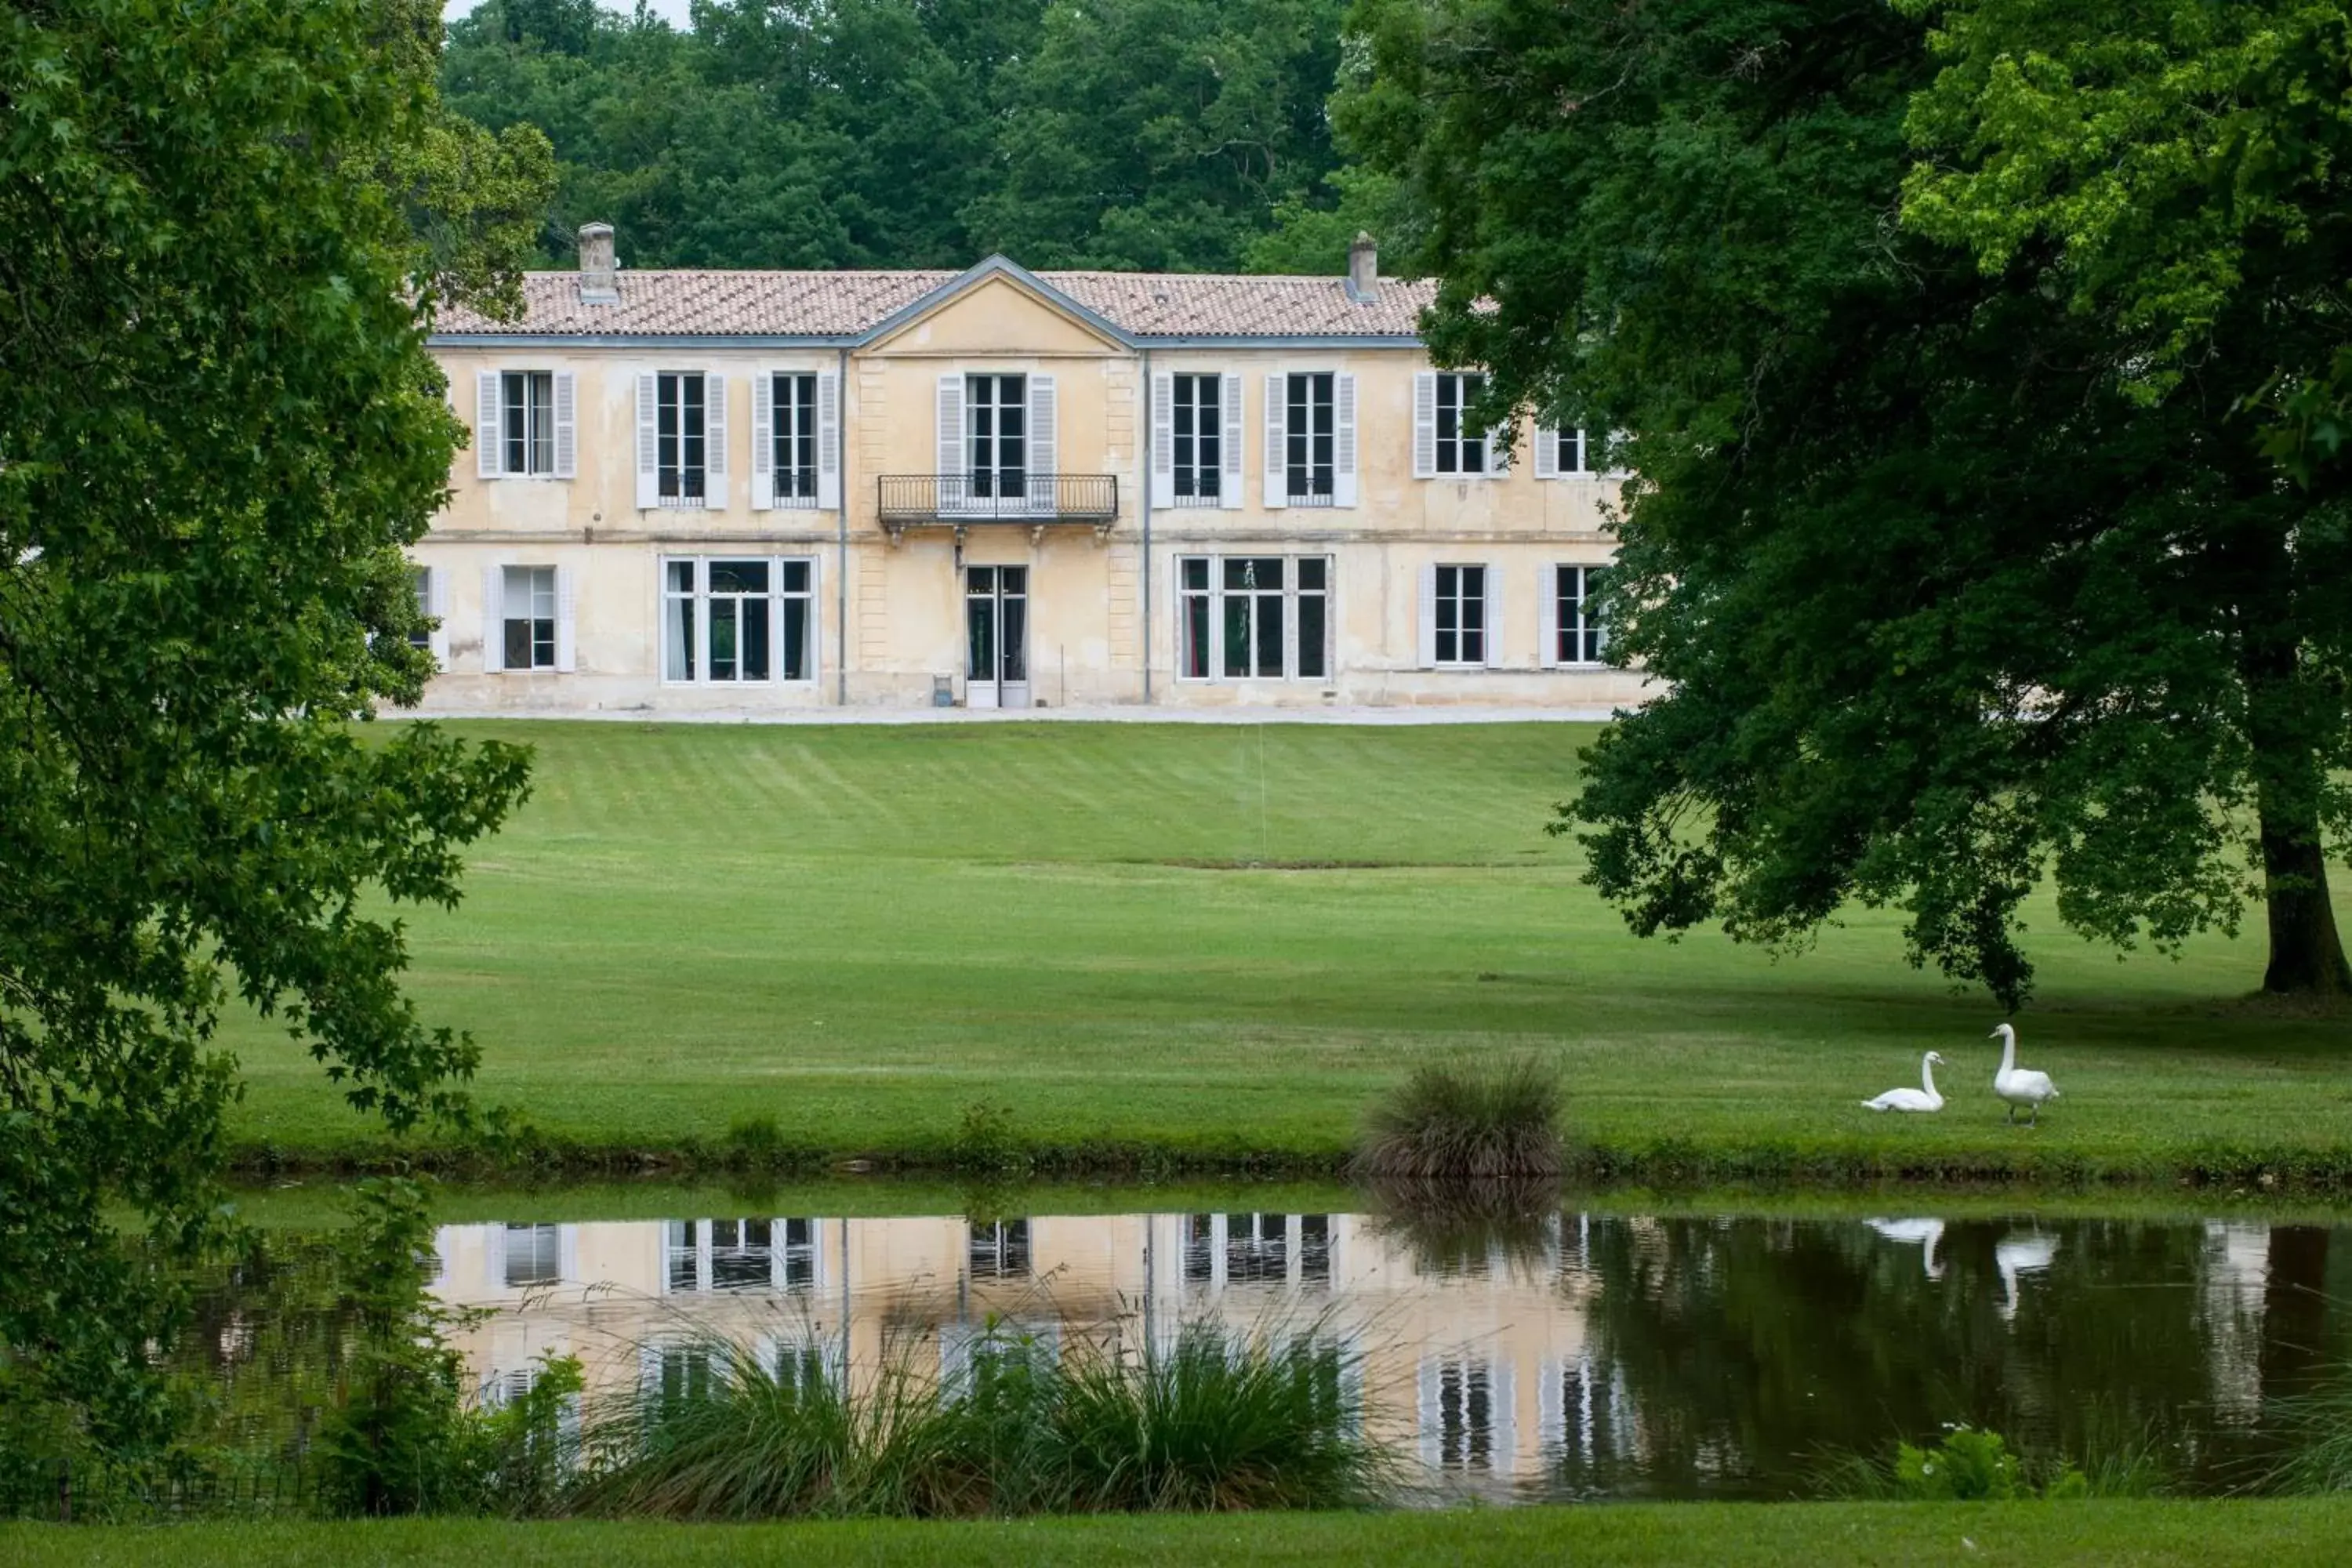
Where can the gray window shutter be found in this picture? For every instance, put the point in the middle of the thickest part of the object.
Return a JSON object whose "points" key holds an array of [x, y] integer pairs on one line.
{"points": [[437, 605], [1547, 614], [1163, 439], [489, 449], [1343, 440], [648, 444], [567, 438], [1427, 618], [1491, 579], [1229, 403], [494, 616], [763, 441], [828, 440], [564, 642], [1547, 452], [1044, 463], [714, 439], [1278, 432], [953, 463], [1424, 425]]}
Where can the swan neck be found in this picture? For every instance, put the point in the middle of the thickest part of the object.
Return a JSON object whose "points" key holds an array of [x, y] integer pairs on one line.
{"points": [[1928, 1077], [2008, 1048]]}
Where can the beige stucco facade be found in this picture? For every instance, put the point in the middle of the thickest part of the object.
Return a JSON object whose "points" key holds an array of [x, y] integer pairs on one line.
{"points": [[1479, 1370], [888, 604]]}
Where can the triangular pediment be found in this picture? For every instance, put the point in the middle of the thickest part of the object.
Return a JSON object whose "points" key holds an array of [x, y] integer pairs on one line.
{"points": [[997, 307]]}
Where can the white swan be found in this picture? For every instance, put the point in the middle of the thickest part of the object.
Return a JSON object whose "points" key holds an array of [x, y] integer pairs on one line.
{"points": [[1922, 1099], [2017, 1085]]}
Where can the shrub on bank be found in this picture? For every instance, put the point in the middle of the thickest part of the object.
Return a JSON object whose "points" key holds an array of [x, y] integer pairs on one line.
{"points": [[1216, 1421], [1465, 1119]]}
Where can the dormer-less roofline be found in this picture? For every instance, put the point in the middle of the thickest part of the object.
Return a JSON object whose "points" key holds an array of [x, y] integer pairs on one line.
{"points": [[685, 308], [997, 265]]}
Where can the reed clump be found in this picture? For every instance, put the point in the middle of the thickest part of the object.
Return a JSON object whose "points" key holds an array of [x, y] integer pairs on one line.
{"points": [[1216, 1421], [1468, 1121]]}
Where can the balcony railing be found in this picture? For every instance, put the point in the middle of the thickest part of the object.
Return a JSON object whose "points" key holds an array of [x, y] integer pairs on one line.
{"points": [[963, 500]]}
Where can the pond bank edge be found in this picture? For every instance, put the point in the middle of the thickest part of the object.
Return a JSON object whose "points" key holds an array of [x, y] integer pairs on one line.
{"points": [[1665, 1164]]}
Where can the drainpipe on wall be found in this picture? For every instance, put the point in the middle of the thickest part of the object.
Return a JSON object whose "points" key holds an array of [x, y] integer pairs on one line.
{"points": [[1143, 495], [841, 575]]}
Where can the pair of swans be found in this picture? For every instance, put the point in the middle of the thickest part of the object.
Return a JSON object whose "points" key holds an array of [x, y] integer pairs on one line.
{"points": [[2013, 1084]]}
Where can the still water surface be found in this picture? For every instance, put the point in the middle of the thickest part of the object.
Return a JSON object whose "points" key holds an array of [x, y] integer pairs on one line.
{"points": [[1572, 1355]]}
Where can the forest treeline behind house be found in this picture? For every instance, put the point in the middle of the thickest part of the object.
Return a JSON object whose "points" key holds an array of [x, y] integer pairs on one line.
{"points": [[1180, 135]]}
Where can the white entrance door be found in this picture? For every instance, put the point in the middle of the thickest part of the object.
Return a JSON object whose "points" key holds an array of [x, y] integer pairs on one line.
{"points": [[996, 637]]}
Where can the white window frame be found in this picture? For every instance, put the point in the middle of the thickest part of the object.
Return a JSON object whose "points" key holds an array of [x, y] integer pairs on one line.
{"points": [[1563, 452], [1185, 408], [1433, 581], [1214, 593], [495, 614], [1591, 633], [780, 596], [550, 455], [809, 409], [1461, 456], [663, 392]]}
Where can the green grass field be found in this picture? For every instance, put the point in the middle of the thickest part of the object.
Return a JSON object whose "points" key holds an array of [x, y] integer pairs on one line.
{"points": [[1220, 940], [2262, 1534]]}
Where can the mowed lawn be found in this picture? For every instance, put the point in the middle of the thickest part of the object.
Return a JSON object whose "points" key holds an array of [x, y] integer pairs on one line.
{"points": [[2190, 1534], [1222, 939]]}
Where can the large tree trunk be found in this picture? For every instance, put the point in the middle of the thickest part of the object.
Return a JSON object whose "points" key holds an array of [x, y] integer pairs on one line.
{"points": [[2285, 719], [2306, 951]]}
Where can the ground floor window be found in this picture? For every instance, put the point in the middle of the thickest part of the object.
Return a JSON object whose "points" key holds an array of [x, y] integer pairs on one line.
{"points": [[729, 621], [1458, 630], [528, 618], [1261, 617], [1465, 1414], [1578, 636]]}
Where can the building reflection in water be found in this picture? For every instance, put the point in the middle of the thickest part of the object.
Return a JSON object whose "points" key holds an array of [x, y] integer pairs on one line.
{"points": [[1589, 1355]]}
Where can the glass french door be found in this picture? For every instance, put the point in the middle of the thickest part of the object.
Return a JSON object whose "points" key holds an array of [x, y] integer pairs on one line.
{"points": [[996, 409], [996, 637]]}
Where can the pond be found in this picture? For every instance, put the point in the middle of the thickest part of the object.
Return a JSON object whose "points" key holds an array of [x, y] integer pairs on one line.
{"points": [[1573, 1353]]}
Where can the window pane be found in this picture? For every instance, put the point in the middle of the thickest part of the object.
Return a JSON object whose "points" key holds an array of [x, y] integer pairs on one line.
{"points": [[1196, 572], [1269, 635], [755, 639], [1196, 636], [1016, 637], [677, 636], [1237, 631], [680, 575], [1312, 572], [739, 576], [1311, 634], [722, 639], [796, 649], [796, 576]]}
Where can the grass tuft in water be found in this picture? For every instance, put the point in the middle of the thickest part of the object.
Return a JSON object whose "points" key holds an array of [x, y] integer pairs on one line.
{"points": [[1219, 1421], [1466, 1120], [2319, 1428]]}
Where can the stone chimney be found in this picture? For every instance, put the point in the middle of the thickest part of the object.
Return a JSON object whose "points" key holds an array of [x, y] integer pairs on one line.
{"points": [[1363, 270], [599, 284]]}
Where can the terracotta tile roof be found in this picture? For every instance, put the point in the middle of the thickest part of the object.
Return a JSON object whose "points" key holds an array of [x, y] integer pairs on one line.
{"points": [[665, 303]]}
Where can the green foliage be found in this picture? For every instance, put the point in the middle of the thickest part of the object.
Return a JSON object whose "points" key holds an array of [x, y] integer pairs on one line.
{"points": [[1470, 1119], [1941, 604], [402, 1439], [891, 134], [985, 1142], [1967, 1466], [392, 1445], [2318, 1427], [1217, 1422], [220, 427]]}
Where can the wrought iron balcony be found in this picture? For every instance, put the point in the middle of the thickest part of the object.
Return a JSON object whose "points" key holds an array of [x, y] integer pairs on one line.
{"points": [[971, 501]]}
